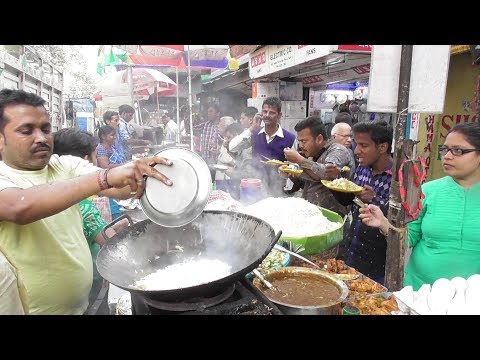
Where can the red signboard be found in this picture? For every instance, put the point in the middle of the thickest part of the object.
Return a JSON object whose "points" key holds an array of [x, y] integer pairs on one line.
{"points": [[312, 79], [259, 59], [362, 69], [355, 48]]}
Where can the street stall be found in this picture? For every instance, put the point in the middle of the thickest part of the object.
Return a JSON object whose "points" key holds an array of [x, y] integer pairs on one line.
{"points": [[305, 229]]}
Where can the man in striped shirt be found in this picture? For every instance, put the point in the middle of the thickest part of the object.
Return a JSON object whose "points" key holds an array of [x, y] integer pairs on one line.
{"points": [[364, 247]]}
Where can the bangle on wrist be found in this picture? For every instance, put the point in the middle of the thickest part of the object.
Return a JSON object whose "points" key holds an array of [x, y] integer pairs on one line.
{"points": [[102, 180], [105, 179]]}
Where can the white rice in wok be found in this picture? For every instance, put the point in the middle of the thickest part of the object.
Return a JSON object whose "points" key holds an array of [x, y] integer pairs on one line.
{"points": [[185, 274]]}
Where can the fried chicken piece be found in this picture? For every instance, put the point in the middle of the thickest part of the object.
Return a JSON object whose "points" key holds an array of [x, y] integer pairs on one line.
{"points": [[332, 265], [390, 304], [341, 265], [360, 286], [364, 284], [377, 288], [374, 305], [378, 311]]}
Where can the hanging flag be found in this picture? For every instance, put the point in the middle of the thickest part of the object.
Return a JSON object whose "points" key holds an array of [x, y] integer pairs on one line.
{"points": [[108, 58], [232, 62], [100, 60], [24, 61]]}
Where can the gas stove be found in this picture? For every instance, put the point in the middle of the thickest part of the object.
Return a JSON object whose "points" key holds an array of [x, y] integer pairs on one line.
{"points": [[240, 298]]}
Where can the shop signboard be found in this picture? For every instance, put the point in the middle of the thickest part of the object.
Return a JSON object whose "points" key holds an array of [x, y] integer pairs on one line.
{"points": [[355, 48], [274, 58], [305, 53], [428, 78], [313, 80], [413, 121], [281, 57], [383, 82], [356, 72], [433, 128], [258, 65]]}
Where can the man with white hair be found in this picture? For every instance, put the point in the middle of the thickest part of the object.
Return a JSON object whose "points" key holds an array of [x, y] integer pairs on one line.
{"points": [[342, 134], [225, 121]]}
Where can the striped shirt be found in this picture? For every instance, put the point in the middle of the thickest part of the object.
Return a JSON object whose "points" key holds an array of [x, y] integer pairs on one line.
{"points": [[365, 248], [210, 142]]}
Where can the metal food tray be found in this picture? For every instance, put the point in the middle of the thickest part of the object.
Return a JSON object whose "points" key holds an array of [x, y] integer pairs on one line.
{"points": [[406, 309], [386, 295]]}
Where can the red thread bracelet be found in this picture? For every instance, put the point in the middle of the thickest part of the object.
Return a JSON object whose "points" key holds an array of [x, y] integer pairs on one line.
{"points": [[99, 180], [419, 179], [105, 179]]}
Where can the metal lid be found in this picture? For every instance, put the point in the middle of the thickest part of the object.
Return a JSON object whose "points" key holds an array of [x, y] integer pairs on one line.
{"points": [[184, 201]]}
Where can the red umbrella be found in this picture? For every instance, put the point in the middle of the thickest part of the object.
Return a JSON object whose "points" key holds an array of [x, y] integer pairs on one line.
{"points": [[144, 82], [181, 57]]}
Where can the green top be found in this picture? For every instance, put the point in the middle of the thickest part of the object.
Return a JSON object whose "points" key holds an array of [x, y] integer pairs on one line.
{"points": [[93, 223], [446, 236]]}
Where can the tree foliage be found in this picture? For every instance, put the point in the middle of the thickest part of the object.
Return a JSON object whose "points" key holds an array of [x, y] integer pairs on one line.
{"points": [[69, 59]]}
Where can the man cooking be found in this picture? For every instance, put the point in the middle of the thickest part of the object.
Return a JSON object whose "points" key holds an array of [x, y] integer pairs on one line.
{"points": [[40, 221]]}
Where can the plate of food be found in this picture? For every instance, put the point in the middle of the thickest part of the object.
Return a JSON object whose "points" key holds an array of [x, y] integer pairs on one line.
{"points": [[342, 185], [220, 167], [291, 170], [274, 162]]}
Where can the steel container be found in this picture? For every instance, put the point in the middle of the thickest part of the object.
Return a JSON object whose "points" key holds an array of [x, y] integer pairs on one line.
{"points": [[331, 308]]}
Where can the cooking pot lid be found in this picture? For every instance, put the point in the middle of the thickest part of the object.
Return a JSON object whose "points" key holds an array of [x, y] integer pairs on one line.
{"points": [[182, 202]]}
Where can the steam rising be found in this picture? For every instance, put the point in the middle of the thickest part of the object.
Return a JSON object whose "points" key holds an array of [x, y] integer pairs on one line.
{"points": [[232, 238]]}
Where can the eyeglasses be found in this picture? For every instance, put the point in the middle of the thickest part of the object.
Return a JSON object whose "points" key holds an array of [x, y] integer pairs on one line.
{"points": [[455, 151], [345, 136]]}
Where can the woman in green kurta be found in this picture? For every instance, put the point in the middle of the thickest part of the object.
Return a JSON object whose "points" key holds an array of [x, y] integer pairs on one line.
{"points": [[446, 236]]}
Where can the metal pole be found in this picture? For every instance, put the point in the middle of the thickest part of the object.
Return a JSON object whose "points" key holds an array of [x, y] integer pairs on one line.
{"points": [[394, 264], [178, 110], [158, 105], [190, 97], [130, 83], [139, 109]]}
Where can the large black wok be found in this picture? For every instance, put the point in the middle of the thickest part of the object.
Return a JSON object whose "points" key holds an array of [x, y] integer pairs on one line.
{"points": [[242, 241]]}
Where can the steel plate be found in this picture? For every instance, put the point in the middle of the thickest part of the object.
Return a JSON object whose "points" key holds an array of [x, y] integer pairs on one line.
{"points": [[184, 201]]}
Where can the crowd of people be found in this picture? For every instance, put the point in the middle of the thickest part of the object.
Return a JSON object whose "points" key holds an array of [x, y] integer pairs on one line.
{"points": [[50, 182]]}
